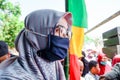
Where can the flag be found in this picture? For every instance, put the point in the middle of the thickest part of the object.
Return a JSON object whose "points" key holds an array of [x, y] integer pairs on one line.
{"points": [[79, 13]]}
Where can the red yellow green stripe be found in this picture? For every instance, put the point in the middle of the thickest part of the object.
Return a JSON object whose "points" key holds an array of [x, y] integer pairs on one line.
{"points": [[77, 40], [78, 10]]}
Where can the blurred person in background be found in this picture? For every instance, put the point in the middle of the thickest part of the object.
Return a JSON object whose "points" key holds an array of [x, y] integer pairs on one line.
{"points": [[113, 74], [4, 52], [102, 61], [116, 59], [93, 71], [85, 62], [81, 69]]}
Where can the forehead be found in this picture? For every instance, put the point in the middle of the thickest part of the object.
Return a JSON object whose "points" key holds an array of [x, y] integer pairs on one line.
{"points": [[104, 57], [97, 65], [63, 22]]}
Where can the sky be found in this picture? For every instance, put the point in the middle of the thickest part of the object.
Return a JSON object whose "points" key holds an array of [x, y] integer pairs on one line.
{"points": [[97, 11]]}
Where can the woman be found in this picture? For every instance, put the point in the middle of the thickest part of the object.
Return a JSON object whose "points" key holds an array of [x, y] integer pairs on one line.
{"points": [[114, 74], [116, 59], [104, 67], [41, 44]]}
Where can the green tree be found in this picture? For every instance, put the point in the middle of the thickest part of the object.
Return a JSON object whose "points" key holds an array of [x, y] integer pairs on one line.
{"points": [[10, 23], [88, 40], [97, 41]]}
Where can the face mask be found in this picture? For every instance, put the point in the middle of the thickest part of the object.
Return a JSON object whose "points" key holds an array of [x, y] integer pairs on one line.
{"points": [[56, 49], [103, 63]]}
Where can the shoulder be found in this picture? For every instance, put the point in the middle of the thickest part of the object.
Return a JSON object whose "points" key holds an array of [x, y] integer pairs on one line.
{"points": [[88, 75], [7, 62], [81, 78], [117, 65], [116, 68]]}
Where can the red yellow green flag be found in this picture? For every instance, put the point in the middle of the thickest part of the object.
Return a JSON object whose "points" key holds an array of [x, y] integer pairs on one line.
{"points": [[78, 10]]}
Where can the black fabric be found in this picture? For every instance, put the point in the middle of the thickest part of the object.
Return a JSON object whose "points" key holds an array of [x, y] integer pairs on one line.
{"points": [[3, 48], [86, 64]]}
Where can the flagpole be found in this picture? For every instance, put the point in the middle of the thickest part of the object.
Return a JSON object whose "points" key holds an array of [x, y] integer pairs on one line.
{"points": [[66, 67], [66, 61], [66, 5]]}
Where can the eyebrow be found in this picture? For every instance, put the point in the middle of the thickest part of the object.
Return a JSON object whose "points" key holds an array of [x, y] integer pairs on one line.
{"points": [[61, 26]]}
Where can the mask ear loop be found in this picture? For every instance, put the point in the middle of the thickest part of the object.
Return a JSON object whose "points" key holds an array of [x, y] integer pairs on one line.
{"points": [[27, 31]]}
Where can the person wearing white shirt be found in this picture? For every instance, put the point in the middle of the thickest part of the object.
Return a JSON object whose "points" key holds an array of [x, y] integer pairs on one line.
{"points": [[93, 71]]}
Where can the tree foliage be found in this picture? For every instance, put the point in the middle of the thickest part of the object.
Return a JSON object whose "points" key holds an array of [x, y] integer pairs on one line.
{"points": [[97, 41], [10, 23]]}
